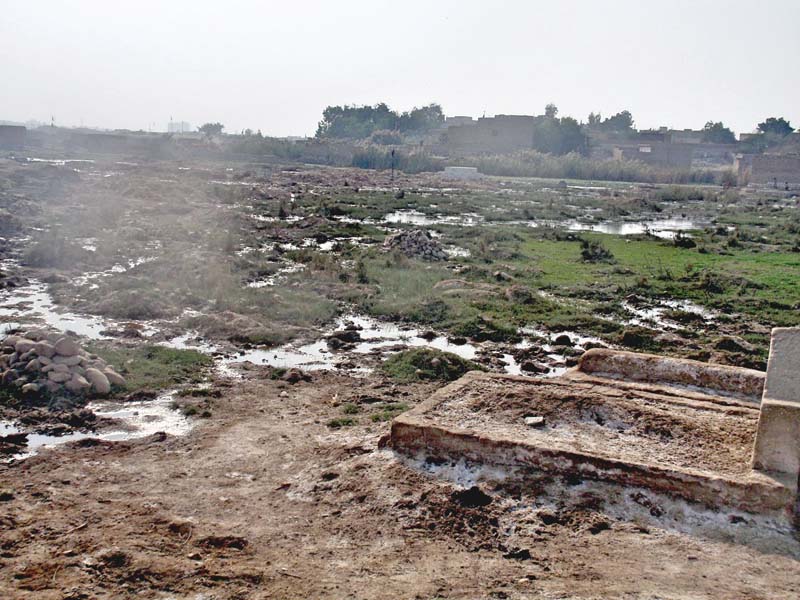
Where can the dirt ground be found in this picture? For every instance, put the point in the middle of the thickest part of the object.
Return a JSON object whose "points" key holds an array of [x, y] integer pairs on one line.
{"points": [[264, 500]]}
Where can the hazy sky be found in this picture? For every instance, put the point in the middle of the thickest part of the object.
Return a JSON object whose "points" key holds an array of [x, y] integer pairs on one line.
{"points": [[274, 66]]}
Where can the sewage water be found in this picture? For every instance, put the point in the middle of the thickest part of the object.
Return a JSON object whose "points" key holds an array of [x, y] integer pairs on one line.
{"points": [[137, 419]]}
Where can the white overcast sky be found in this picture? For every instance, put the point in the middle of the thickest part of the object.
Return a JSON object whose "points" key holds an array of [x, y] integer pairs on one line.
{"points": [[274, 65]]}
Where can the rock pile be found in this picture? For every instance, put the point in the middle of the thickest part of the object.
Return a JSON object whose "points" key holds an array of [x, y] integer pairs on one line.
{"points": [[38, 362], [416, 243]]}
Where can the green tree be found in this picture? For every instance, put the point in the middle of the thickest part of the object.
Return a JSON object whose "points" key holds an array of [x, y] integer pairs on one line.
{"points": [[594, 119], [359, 122], [211, 129], [620, 122], [717, 133], [550, 111], [776, 126], [421, 119], [558, 136]]}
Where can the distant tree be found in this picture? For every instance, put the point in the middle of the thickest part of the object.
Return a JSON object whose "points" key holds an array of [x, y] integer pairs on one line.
{"points": [[717, 133], [421, 119], [594, 119], [359, 122], [558, 136], [211, 129], [620, 122], [776, 126], [551, 110]]}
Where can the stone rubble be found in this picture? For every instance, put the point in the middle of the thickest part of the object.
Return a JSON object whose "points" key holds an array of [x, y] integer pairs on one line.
{"points": [[44, 362], [416, 243]]}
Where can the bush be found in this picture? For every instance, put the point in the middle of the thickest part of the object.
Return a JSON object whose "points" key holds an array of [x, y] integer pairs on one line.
{"points": [[594, 251], [427, 364], [482, 330]]}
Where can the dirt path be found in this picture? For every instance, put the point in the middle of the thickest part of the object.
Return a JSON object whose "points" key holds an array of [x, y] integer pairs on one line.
{"points": [[264, 500]]}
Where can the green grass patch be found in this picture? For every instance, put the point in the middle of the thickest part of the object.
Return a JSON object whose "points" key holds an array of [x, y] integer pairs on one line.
{"points": [[154, 367], [388, 411], [340, 422]]}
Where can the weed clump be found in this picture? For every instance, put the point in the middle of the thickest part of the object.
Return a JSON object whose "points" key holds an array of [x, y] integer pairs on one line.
{"points": [[482, 330], [593, 251], [427, 364]]}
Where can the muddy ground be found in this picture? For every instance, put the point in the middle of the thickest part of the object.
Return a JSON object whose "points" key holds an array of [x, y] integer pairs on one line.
{"points": [[287, 490], [266, 501]]}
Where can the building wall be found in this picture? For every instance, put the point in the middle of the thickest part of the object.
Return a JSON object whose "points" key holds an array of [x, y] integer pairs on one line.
{"points": [[457, 120], [658, 154], [491, 135], [769, 168]]}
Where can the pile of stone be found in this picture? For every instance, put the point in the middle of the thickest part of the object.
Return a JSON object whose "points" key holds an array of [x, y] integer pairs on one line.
{"points": [[416, 243], [39, 361]]}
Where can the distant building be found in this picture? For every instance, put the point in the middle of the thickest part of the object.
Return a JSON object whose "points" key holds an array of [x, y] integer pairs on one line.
{"points": [[452, 121], [179, 127], [686, 136], [777, 169], [748, 137], [491, 135], [656, 153]]}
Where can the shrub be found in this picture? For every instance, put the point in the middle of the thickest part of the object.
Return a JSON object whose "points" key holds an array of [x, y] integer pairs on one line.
{"points": [[594, 251], [427, 364]]}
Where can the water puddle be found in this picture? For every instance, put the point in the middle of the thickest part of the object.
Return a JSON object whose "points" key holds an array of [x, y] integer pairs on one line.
{"points": [[271, 280], [662, 228], [654, 315], [33, 304], [415, 217], [137, 419], [59, 162]]}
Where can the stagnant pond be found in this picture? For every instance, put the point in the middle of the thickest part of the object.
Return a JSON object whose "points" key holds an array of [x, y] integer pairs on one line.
{"points": [[663, 228]]}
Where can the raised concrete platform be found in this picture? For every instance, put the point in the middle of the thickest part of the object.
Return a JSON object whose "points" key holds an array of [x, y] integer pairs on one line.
{"points": [[679, 427]]}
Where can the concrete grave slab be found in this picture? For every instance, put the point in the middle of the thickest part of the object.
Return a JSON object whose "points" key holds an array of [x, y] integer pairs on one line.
{"points": [[679, 427]]}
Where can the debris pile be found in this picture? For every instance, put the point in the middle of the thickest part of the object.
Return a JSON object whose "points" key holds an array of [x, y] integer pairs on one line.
{"points": [[417, 243], [41, 362]]}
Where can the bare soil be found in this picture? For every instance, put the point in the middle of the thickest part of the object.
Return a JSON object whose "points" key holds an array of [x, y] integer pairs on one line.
{"points": [[264, 500]]}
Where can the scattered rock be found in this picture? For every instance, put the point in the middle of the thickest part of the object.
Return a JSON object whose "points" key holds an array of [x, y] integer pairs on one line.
{"points": [[67, 347], [98, 380], [24, 345], [519, 294], [562, 340], [534, 421], [77, 384], [295, 375], [114, 378], [530, 366]]}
